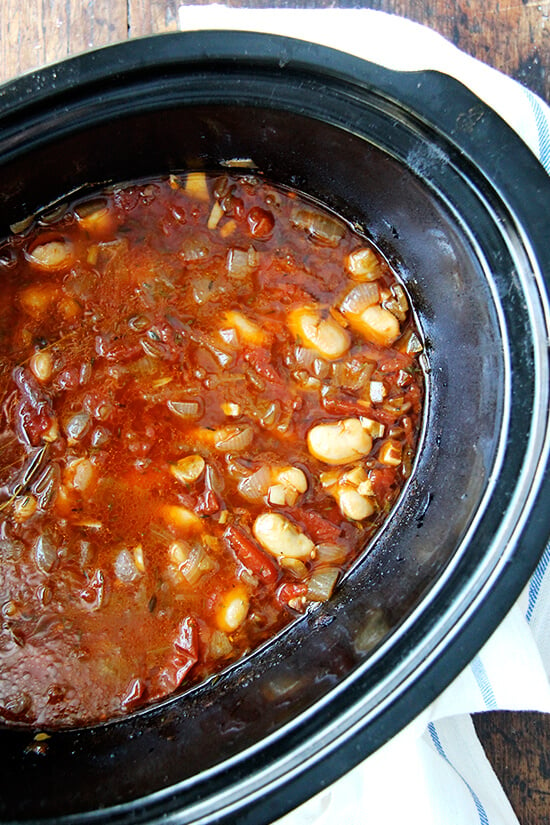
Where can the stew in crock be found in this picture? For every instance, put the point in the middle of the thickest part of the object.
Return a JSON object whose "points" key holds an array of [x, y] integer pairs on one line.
{"points": [[211, 399]]}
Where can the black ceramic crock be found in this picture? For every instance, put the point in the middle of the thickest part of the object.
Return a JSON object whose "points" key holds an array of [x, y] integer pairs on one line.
{"points": [[460, 207]]}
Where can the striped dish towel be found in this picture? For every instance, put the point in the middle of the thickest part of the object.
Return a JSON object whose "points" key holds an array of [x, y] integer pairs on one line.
{"points": [[434, 771]]}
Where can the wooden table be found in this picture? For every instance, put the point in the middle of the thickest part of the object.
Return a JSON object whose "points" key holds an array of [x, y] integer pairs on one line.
{"points": [[511, 35]]}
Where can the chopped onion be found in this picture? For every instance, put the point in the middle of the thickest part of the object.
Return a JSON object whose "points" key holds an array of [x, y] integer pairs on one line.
{"points": [[397, 304], [186, 409], [21, 225], [224, 359], [352, 375], [216, 214], [294, 566], [255, 487], [321, 584], [83, 210], [47, 484], [360, 297], [305, 357], [138, 558], [196, 563], [320, 227], [220, 645], [411, 343], [11, 548], [375, 627], [241, 262], [194, 248], [125, 567], [233, 439], [154, 349], [45, 553], [229, 336], [270, 414], [239, 163], [188, 469], [329, 553], [203, 289], [24, 507], [235, 470], [77, 426], [377, 392]]}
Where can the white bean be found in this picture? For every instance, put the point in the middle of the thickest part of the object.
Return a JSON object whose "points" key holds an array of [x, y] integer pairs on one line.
{"points": [[289, 483], [41, 365], [294, 478], [377, 324], [80, 474], [247, 331], [181, 518], [281, 538], [324, 335], [352, 504], [353, 490], [232, 609], [54, 254], [188, 469], [340, 442]]}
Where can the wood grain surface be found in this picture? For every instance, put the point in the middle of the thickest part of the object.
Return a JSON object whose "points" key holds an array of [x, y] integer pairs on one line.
{"points": [[511, 35]]}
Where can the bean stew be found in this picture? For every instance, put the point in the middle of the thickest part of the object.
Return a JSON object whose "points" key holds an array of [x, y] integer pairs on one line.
{"points": [[211, 400]]}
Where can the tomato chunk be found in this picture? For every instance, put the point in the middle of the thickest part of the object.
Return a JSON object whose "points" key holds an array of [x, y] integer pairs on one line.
{"points": [[249, 554]]}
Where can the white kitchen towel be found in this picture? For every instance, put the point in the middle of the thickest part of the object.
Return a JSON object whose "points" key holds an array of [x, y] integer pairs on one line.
{"points": [[434, 771]]}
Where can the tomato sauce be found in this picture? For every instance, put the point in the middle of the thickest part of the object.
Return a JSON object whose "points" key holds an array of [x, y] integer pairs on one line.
{"points": [[211, 399]]}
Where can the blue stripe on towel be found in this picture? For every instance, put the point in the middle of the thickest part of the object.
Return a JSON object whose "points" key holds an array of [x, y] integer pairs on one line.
{"points": [[478, 669], [483, 818], [536, 583], [543, 128]]}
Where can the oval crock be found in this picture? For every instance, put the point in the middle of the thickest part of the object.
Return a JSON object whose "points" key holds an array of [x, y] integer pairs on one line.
{"points": [[459, 205]]}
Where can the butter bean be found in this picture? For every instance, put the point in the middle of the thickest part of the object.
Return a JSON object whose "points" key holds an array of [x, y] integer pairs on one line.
{"points": [[324, 335], [377, 324], [182, 518], [289, 483], [41, 365], [188, 469], [352, 504], [54, 254], [247, 331], [340, 442], [232, 609], [281, 538]]}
